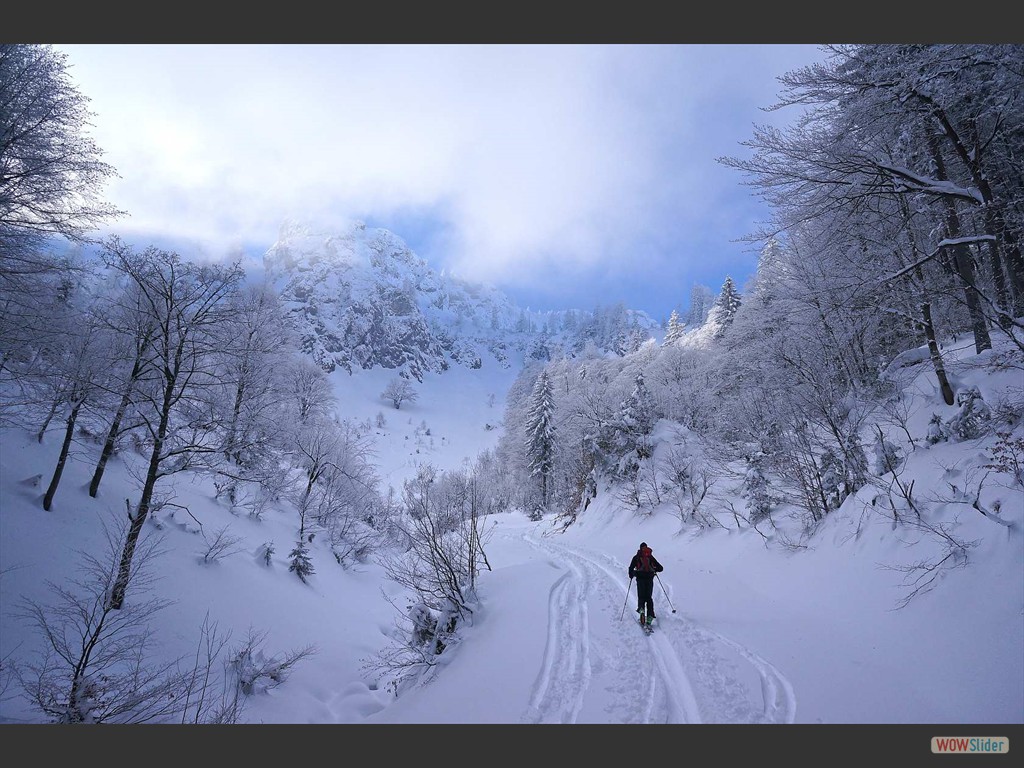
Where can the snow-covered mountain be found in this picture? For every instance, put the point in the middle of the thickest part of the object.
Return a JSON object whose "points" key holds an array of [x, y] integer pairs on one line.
{"points": [[361, 298]]}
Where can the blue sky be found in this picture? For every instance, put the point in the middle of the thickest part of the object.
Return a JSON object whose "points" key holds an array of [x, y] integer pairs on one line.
{"points": [[567, 175]]}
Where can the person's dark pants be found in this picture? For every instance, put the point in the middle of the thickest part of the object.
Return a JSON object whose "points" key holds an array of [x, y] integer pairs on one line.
{"points": [[645, 594]]}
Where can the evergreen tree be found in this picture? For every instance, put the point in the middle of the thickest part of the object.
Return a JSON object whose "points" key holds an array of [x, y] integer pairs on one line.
{"points": [[756, 489], [675, 329], [728, 301], [301, 564], [701, 300], [636, 418], [540, 434]]}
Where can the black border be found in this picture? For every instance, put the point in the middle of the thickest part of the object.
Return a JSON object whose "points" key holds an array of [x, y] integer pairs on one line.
{"points": [[601, 745], [866, 21]]}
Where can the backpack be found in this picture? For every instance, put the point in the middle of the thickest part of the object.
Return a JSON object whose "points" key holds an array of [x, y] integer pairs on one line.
{"points": [[643, 563]]}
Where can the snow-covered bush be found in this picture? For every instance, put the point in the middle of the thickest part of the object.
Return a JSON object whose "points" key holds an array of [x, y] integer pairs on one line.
{"points": [[258, 673], [887, 456], [973, 418]]}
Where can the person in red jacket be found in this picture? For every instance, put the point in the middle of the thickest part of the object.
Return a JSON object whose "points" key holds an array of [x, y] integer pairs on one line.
{"points": [[643, 567]]}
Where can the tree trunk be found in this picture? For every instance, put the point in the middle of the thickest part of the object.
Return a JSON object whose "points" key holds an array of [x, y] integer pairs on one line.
{"points": [[995, 266], [109, 443], [936, 355], [236, 410], [49, 417], [124, 570], [115, 427], [1014, 263], [964, 264], [962, 260], [1008, 257], [62, 459]]}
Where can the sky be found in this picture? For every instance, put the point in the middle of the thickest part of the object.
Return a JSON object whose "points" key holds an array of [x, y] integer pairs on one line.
{"points": [[749, 633], [567, 175]]}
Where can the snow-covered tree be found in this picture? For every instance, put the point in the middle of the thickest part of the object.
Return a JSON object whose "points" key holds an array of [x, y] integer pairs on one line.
{"points": [[123, 309], [335, 489], [400, 390], [702, 299], [728, 302], [761, 499], [51, 172], [674, 330], [887, 455], [973, 417], [299, 561], [919, 133], [188, 306], [257, 344], [307, 391], [77, 372], [443, 535], [636, 418], [540, 434]]}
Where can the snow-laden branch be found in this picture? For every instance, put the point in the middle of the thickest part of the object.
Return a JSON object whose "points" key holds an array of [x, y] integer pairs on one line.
{"points": [[962, 496], [933, 186], [948, 242]]}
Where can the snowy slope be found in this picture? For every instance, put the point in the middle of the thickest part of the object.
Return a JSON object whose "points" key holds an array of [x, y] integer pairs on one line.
{"points": [[749, 631]]}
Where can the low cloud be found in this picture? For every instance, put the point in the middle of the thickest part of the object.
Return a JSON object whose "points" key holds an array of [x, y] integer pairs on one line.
{"points": [[532, 160]]}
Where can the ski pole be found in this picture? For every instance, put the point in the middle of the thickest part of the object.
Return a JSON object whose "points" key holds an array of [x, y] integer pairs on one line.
{"points": [[666, 595], [627, 599]]}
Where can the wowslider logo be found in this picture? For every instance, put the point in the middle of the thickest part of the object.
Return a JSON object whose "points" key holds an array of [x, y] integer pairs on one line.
{"points": [[971, 744]]}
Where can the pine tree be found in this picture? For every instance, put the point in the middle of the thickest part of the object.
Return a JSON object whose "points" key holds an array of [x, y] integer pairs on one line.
{"points": [[540, 433], [701, 299], [301, 564], [636, 418], [675, 329], [728, 301], [756, 489]]}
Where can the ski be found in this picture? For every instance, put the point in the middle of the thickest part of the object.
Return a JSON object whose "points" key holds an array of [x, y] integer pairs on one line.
{"points": [[648, 628]]}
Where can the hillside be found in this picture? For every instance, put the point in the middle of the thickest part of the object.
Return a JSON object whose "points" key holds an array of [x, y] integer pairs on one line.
{"points": [[867, 620]]}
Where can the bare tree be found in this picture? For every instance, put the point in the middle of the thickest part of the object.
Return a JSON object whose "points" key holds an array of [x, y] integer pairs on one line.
{"points": [[78, 371], [187, 303], [209, 694], [399, 391], [258, 672], [442, 526], [96, 664], [337, 488], [689, 481], [50, 170], [132, 327], [219, 545], [308, 390], [51, 176], [443, 535], [257, 344]]}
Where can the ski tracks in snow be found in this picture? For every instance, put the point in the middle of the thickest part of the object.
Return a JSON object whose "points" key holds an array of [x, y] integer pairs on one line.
{"points": [[598, 667]]}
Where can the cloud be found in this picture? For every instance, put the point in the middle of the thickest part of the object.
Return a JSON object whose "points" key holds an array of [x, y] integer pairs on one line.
{"points": [[530, 158]]}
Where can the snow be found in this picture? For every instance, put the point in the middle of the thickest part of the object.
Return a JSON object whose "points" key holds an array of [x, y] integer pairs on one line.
{"points": [[748, 633], [455, 406]]}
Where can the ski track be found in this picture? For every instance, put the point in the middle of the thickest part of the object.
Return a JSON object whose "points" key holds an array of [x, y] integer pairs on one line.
{"points": [[684, 675]]}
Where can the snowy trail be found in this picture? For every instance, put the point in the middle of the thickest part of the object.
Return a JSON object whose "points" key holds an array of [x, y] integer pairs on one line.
{"points": [[599, 668], [603, 670], [565, 676]]}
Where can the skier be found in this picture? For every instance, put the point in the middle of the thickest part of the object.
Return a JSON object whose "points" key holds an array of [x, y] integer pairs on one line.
{"points": [[643, 567]]}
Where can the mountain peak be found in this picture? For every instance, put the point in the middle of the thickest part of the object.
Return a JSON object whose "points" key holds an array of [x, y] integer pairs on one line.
{"points": [[359, 297]]}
